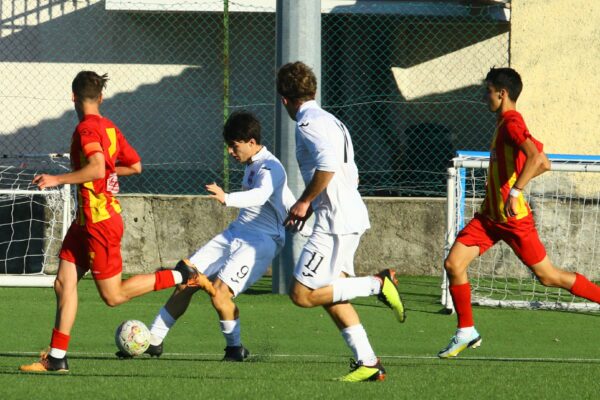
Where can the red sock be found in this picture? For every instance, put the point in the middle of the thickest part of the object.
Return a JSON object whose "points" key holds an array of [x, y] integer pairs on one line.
{"points": [[59, 340], [461, 296], [164, 279], [586, 289]]}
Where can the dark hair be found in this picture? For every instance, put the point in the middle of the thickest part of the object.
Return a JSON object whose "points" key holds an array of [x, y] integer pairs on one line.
{"points": [[88, 85], [506, 78], [241, 126], [296, 81]]}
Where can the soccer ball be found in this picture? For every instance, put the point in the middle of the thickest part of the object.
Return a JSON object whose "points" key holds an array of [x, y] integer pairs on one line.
{"points": [[132, 337]]}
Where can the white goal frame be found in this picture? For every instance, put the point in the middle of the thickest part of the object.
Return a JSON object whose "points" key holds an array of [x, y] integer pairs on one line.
{"points": [[40, 279], [462, 202]]}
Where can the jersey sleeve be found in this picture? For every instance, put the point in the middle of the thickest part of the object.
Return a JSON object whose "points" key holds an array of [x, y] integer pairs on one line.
{"points": [[517, 131], [90, 141], [267, 179], [127, 154], [320, 148]]}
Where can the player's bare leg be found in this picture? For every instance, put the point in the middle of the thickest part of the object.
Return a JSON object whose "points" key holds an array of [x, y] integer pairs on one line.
{"points": [[577, 284], [65, 288], [456, 265], [229, 320]]}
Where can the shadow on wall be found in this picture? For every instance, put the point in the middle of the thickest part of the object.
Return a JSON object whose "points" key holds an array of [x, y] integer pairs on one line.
{"points": [[174, 119]]}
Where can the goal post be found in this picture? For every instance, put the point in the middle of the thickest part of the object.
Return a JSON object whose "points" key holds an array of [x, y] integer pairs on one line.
{"points": [[565, 202], [33, 222]]}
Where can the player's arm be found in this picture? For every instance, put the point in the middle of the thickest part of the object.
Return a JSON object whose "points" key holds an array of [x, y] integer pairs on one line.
{"points": [[301, 210], [128, 170], [537, 163], [267, 179], [94, 169]]}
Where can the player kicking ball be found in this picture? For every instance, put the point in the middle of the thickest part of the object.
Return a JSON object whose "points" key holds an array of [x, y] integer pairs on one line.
{"points": [[99, 154], [236, 258], [324, 274], [516, 157]]}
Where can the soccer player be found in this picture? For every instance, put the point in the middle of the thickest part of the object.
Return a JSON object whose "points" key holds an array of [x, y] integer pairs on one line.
{"points": [[324, 274], [236, 258], [99, 154], [516, 157]]}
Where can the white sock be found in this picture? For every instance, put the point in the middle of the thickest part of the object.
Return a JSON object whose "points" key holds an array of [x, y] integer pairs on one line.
{"points": [[350, 288], [177, 277], [57, 353], [463, 333], [356, 338], [160, 327], [231, 331]]}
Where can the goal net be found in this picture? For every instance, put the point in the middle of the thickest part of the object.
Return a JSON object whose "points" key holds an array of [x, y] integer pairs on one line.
{"points": [[565, 204], [32, 222]]}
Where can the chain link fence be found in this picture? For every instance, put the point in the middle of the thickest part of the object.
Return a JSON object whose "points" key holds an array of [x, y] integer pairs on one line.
{"points": [[405, 77]]}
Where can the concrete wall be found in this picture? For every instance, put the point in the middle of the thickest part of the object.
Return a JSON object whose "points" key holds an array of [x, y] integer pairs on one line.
{"points": [[555, 45], [407, 234]]}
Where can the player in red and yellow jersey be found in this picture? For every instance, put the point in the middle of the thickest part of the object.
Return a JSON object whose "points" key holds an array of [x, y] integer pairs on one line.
{"points": [[516, 157], [99, 154]]}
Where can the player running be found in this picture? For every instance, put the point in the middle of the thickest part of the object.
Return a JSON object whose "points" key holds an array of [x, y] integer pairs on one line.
{"points": [[516, 157], [99, 154], [236, 258], [326, 158]]}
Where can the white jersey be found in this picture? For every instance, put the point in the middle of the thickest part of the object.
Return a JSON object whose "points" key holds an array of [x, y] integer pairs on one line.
{"points": [[323, 143], [265, 199]]}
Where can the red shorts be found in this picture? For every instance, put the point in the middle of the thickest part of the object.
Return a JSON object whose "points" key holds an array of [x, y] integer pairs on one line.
{"points": [[95, 246], [521, 235]]}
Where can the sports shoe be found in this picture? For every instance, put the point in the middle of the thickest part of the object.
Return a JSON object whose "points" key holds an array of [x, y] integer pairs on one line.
{"points": [[389, 294], [362, 373], [47, 363], [153, 351], [236, 353], [192, 277], [457, 345]]}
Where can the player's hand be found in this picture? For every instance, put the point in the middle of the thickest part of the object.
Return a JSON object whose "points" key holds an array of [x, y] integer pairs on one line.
{"points": [[45, 181], [217, 193], [512, 206], [297, 216]]}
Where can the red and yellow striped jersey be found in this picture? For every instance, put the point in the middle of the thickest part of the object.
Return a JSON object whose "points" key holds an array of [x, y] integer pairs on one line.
{"points": [[96, 201], [506, 163]]}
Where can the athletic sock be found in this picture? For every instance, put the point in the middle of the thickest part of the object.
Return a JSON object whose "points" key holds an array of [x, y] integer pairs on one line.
{"points": [[465, 332], [350, 288], [461, 296], [160, 327], [59, 344], [164, 279], [586, 289], [231, 331], [356, 338]]}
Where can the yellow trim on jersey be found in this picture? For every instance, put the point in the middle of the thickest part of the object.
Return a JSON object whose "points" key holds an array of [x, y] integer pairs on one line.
{"points": [[112, 137]]}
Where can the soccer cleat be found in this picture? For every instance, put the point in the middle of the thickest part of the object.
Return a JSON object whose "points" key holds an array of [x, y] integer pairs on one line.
{"points": [[153, 351], [236, 353], [389, 294], [457, 345], [364, 373], [192, 277], [47, 363]]}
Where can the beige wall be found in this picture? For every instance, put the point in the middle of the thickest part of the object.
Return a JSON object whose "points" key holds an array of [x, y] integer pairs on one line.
{"points": [[555, 45]]}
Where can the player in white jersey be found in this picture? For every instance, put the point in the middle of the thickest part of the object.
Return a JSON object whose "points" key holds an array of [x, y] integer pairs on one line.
{"points": [[240, 255], [324, 274]]}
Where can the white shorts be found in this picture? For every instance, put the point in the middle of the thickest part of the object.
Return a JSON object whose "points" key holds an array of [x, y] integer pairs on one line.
{"points": [[325, 257], [238, 258]]}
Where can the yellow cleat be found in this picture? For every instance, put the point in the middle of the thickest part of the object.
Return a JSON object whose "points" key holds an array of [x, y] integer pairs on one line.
{"points": [[364, 373], [389, 295]]}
